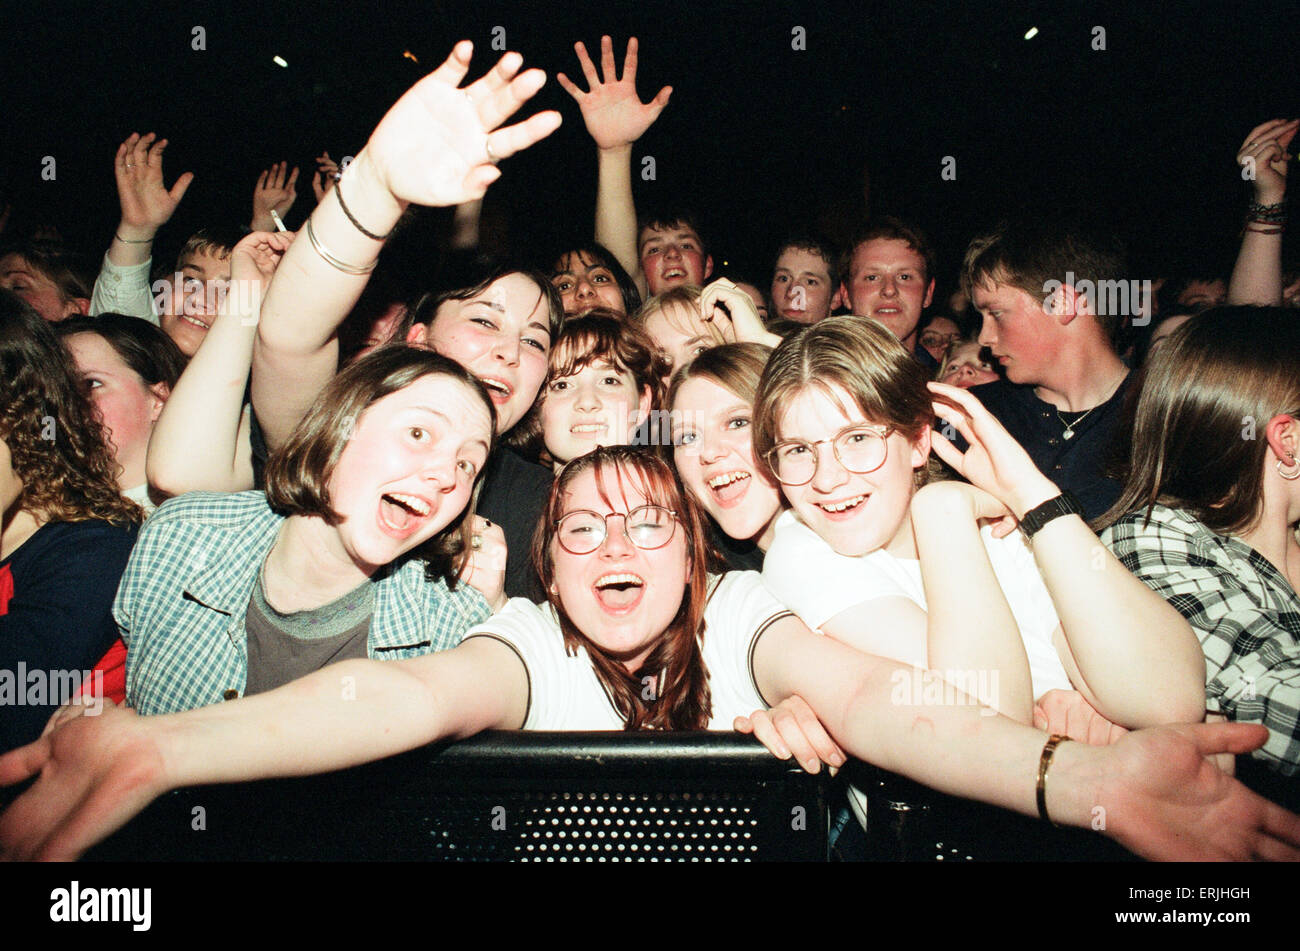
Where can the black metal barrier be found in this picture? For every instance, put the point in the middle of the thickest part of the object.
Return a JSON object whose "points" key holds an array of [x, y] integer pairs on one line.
{"points": [[507, 796]]}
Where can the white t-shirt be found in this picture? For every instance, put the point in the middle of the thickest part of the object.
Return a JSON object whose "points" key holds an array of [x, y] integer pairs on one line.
{"points": [[565, 694], [817, 583]]}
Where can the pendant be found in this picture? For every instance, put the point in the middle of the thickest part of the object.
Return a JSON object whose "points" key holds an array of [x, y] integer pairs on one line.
{"points": [[1068, 434]]}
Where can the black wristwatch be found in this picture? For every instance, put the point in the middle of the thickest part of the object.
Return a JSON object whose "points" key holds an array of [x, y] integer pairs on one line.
{"points": [[1040, 515]]}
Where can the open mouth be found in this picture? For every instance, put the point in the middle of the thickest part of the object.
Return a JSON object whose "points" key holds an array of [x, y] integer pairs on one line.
{"points": [[842, 508], [729, 486], [619, 592], [498, 390], [673, 273], [194, 320], [401, 514], [589, 429]]}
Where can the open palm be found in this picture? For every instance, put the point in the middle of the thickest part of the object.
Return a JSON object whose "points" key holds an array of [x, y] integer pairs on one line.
{"points": [[612, 110], [438, 144]]}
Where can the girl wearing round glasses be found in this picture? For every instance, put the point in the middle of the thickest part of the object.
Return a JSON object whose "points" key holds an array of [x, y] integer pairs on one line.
{"points": [[872, 555], [636, 635]]}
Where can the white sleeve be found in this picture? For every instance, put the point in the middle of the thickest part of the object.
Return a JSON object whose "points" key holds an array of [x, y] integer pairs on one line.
{"points": [[1032, 605], [123, 290], [815, 582], [563, 691], [739, 610]]}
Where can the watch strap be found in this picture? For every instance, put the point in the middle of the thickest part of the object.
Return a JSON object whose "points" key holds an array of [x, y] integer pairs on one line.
{"points": [[1052, 509]]}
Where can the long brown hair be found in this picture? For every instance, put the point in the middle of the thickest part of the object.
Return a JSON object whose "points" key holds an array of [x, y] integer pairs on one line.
{"points": [[1197, 430], [55, 441], [299, 472], [682, 700]]}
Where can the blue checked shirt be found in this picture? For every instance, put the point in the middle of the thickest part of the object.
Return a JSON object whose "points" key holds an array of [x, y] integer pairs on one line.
{"points": [[182, 601], [1242, 608]]}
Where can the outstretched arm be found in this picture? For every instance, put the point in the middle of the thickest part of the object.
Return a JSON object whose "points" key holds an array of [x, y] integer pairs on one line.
{"points": [[615, 117], [98, 772], [1257, 275], [1157, 793], [1115, 631], [200, 441], [435, 146]]}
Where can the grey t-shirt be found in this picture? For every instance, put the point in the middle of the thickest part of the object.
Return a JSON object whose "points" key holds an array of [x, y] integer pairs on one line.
{"points": [[284, 647]]}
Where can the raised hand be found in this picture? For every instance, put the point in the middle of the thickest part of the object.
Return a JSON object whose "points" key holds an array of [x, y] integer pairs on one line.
{"points": [[439, 145], [732, 310], [252, 263], [994, 460], [146, 203], [273, 192], [791, 727], [614, 114], [485, 569], [1266, 148], [95, 774], [327, 173]]}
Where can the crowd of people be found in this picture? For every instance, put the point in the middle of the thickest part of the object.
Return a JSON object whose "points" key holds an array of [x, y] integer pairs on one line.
{"points": [[1070, 509]]}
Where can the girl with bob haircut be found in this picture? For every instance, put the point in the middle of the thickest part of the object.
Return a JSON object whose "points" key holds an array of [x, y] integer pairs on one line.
{"points": [[604, 380], [65, 530], [1209, 508], [871, 554], [589, 276], [354, 550], [129, 368], [712, 404], [631, 607]]}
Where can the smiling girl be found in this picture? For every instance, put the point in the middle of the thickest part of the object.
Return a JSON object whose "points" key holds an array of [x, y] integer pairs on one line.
{"points": [[354, 550], [636, 635], [872, 555]]}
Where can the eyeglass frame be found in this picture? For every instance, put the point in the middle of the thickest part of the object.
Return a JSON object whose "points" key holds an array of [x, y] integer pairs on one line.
{"points": [[883, 432], [559, 536]]}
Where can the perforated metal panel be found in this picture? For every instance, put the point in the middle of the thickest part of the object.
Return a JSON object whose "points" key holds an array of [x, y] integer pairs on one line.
{"points": [[700, 797]]}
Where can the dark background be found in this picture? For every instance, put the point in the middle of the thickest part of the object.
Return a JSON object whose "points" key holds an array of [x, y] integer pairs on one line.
{"points": [[759, 137]]}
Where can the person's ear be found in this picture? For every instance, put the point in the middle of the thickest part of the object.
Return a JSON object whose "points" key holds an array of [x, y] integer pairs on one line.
{"points": [[1068, 303], [929, 295], [839, 299], [161, 392], [846, 300], [83, 305], [1283, 435], [708, 266], [921, 448], [417, 336]]}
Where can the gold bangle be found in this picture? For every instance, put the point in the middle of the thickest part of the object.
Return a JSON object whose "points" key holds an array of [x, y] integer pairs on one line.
{"points": [[1044, 763]]}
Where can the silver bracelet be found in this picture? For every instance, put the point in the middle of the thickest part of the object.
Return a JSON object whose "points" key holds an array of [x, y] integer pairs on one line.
{"points": [[129, 241], [332, 260]]}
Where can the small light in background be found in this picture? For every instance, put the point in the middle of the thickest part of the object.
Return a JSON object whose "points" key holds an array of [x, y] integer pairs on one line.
{"points": [[279, 61], [1033, 32], [409, 55]]}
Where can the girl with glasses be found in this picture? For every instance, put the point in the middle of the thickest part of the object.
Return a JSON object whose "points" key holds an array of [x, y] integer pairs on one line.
{"points": [[931, 574], [636, 636]]}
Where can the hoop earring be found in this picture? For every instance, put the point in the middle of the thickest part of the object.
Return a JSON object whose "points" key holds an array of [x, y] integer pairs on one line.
{"points": [[1294, 472]]}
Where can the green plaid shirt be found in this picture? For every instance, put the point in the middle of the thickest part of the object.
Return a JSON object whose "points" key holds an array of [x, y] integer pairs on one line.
{"points": [[1244, 611], [182, 601]]}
